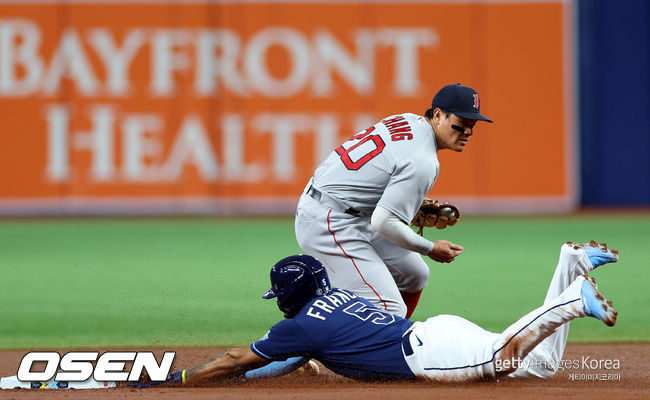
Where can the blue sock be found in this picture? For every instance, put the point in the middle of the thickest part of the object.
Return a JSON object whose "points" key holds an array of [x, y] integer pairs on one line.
{"points": [[277, 368]]}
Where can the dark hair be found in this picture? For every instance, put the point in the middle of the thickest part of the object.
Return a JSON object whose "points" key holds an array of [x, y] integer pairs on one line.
{"points": [[429, 113]]}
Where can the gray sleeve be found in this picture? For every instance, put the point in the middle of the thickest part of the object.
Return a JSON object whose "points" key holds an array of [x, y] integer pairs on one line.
{"points": [[407, 187], [393, 229]]}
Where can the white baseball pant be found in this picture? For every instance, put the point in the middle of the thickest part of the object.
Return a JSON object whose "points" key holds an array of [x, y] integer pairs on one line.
{"points": [[449, 348]]}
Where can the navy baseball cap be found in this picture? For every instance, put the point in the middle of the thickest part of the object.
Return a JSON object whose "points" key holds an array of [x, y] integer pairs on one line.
{"points": [[460, 100]]}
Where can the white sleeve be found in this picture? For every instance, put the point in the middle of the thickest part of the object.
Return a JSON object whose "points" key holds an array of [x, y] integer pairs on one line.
{"points": [[392, 228]]}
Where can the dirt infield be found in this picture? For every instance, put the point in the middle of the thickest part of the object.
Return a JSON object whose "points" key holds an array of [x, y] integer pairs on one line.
{"points": [[590, 371]]}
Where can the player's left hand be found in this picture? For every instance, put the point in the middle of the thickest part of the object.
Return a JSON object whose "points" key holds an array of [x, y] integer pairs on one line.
{"points": [[145, 381]]}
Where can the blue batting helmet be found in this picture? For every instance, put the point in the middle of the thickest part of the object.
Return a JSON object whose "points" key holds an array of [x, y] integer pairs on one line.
{"points": [[295, 280]]}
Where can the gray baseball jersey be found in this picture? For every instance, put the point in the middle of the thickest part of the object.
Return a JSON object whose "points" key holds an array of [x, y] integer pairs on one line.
{"points": [[393, 164]]}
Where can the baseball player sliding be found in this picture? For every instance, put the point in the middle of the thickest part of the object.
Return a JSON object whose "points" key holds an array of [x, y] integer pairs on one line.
{"points": [[354, 338], [354, 213]]}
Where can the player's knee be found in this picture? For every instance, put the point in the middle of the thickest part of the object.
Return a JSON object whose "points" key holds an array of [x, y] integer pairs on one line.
{"points": [[416, 281], [423, 277]]}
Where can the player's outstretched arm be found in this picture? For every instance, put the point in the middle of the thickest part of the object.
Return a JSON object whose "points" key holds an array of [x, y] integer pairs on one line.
{"points": [[226, 364]]}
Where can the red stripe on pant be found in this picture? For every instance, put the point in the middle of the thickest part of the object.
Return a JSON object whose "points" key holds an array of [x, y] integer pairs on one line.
{"points": [[352, 259]]}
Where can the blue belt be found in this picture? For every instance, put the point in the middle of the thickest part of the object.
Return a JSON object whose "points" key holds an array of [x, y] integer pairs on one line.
{"points": [[406, 343]]}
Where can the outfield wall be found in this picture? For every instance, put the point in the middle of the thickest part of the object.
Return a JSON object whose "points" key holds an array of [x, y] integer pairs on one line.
{"points": [[615, 102], [227, 107]]}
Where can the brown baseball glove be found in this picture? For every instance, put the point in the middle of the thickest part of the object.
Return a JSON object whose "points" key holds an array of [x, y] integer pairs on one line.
{"points": [[432, 213]]}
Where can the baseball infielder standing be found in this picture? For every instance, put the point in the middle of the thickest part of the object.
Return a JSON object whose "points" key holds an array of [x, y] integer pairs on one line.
{"points": [[354, 213]]}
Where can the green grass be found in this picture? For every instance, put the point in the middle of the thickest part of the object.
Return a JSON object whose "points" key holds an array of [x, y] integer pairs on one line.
{"points": [[198, 282]]}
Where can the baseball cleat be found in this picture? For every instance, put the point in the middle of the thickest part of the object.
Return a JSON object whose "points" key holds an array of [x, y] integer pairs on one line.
{"points": [[598, 254], [594, 304]]}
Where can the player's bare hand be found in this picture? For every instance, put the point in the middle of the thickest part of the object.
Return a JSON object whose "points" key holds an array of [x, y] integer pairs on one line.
{"points": [[445, 251]]}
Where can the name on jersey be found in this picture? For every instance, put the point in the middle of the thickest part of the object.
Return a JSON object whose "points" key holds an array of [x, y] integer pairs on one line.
{"points": [[326, 304], [398, 128]]}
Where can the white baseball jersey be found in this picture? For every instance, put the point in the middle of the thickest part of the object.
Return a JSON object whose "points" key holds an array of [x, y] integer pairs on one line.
{"points": [[392, 164]]}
